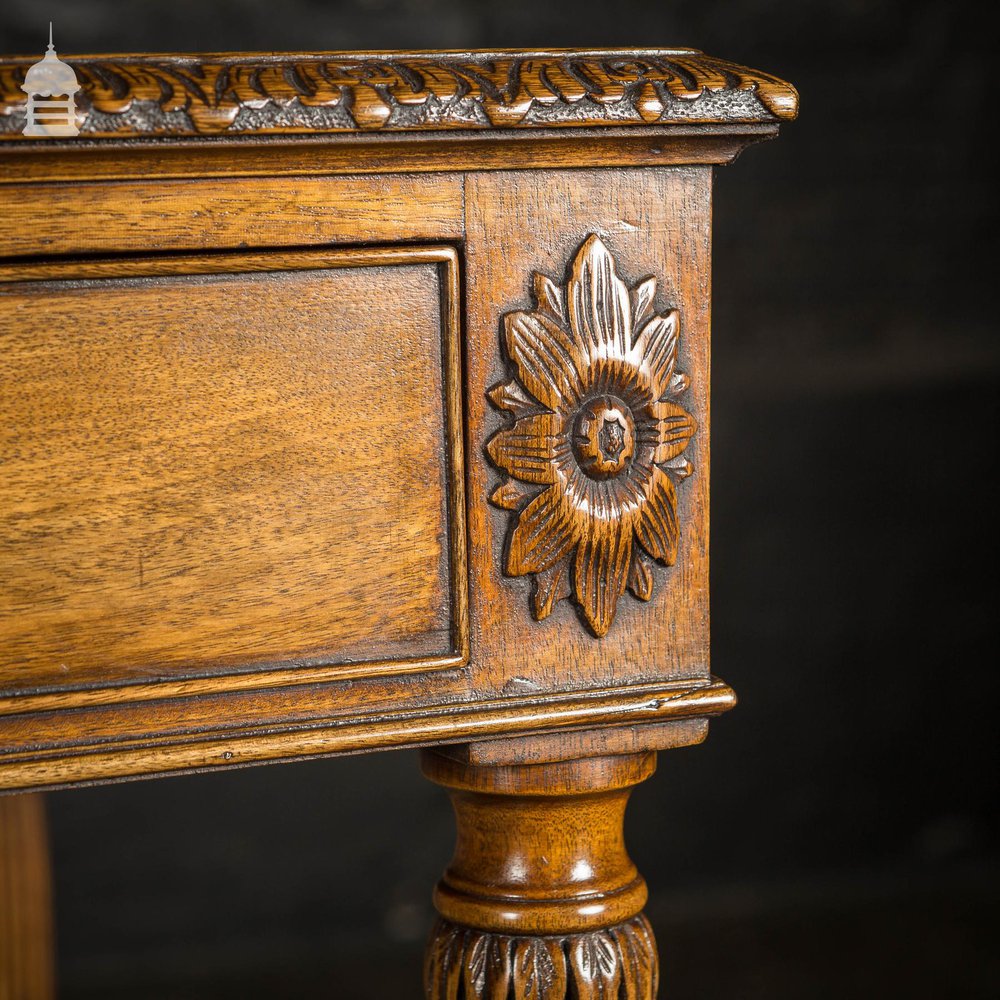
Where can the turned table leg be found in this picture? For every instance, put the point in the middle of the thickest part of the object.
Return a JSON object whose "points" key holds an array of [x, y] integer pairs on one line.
{"points": [[541, 901], [27, 961]]}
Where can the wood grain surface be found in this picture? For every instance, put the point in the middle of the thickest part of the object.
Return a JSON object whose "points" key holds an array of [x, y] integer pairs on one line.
{"points": [[376, 155], [540, 898], [232, 534], [27, 928], [552, 678], [543, 749], [204, 214], [225, 465], [323, 380], [235, 729], [654, 223]]}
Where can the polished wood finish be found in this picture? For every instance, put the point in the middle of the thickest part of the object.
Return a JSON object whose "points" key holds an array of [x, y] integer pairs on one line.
{"points": [[315, 720], [578, 744], [654, 223], [524, 676], [182, 502], [178, 95], [542, 883], [361, 401], [215, 214], [27, 951], [655, 146], [594, 425]]}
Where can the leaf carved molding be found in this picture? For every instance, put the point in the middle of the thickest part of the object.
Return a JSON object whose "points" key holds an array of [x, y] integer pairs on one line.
{"points": [[593, 449], [173, 95], [467, 964]]}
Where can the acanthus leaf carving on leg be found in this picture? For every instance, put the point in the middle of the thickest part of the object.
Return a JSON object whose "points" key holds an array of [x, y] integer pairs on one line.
{"points": [[539, 969], [616, 963]]}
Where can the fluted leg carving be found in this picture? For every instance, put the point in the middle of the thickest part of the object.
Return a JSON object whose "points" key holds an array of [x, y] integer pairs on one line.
{"points": [[541, 901]]}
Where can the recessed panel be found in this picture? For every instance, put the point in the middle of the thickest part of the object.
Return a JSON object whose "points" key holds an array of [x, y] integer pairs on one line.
{"points": [[239, 471]]}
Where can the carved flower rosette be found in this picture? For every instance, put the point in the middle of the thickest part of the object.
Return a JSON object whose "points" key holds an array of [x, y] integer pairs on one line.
{"points": [[594, 450]]}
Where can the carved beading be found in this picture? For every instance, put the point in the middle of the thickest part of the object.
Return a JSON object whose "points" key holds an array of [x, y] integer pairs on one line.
{"points": [[234, 95]]}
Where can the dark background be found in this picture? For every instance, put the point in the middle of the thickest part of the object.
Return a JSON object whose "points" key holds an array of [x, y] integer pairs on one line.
{"points": [[838, 834]]}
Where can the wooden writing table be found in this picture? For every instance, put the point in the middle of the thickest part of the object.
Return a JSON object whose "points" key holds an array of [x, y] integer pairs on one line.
{"points": [[353, 402]]}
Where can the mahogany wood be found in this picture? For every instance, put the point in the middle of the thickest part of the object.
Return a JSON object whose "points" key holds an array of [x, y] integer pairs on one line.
{"points": [[579, 743], [669, 648], [657, 225], [329, 93], [214, 214], [196, 503], [58, 748], [27, 952], [541, 879], [306, 157], [358, 401]]}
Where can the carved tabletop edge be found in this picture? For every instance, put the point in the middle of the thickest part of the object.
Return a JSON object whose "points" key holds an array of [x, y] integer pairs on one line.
{"points": [[268, 94]]}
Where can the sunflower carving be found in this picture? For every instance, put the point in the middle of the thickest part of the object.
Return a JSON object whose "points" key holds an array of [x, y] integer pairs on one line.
{"points": [[593, 448]]}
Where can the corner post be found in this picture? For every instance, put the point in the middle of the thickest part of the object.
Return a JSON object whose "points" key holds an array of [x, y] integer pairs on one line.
{"points": [[541, 900]]}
